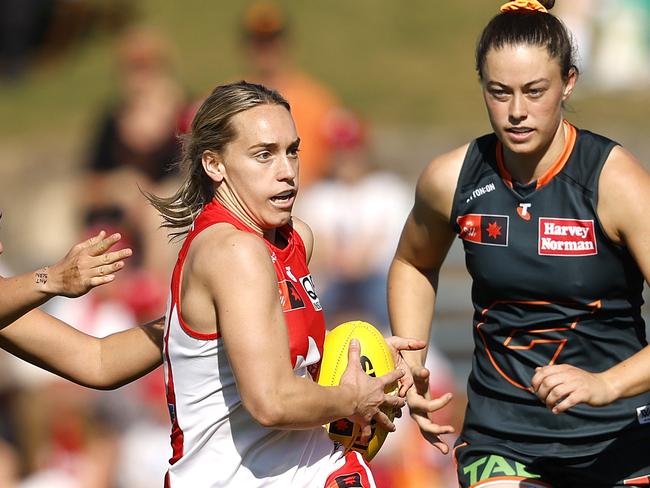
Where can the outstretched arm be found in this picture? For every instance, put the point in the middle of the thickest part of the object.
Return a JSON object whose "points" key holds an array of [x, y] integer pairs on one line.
{"points": [[101, 363], [624, 197], [87, 265], [413, 281]]}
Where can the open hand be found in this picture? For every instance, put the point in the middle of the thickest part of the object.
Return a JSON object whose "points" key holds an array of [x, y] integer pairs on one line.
{"points": [[421, 405], [87, 265], [397, 345]]}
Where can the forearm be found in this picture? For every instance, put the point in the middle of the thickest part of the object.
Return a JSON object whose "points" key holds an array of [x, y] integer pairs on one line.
{"points": [[20, 294], [411, 301], [630, 377], [300, 403], [103, 363], [128, 355]]}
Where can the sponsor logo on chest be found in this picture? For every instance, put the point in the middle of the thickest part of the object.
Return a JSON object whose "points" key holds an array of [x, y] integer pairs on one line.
{"points": [[566, 237]]}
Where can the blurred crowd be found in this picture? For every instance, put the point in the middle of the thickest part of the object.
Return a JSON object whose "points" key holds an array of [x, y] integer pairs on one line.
{"points": [[57, 435]]}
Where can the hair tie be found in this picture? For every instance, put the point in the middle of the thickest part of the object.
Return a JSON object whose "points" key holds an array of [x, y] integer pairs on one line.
{"points": [[523, 5]]}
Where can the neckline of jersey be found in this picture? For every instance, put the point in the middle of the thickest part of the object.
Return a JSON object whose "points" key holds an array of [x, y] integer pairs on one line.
{"points": [[553, 170], [286, 230]]}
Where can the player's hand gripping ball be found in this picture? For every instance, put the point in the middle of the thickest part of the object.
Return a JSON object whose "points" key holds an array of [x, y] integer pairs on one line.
{"points": [[376, 360]]}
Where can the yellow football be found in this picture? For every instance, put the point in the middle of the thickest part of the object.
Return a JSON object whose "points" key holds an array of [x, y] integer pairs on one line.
{"points": [[376, 360]]}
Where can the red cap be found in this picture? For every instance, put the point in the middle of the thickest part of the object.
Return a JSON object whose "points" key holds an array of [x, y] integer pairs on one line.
{"points": [[344, 130]]}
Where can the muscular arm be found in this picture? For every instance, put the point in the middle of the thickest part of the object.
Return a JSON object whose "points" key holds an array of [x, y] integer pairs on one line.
{"points": [[413, 281], [624, 197], [239, 276], [86, 265], [306, 235], [423, 246], [104, 363]]}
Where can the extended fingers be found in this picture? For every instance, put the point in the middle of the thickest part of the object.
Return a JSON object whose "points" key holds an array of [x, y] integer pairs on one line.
{"points": [[394, 401], [432, 432], [432, 405], [405, 383], [436, 442], [392, 376], [354, 351], [104, 274], [100, 280], [93, 241], [111, 257], [383, 421], [101, 245], [419, 405], [405, 343]]}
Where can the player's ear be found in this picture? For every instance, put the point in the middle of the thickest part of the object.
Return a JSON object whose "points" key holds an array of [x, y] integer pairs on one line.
{"points": [[569, 83], [213, 165]]}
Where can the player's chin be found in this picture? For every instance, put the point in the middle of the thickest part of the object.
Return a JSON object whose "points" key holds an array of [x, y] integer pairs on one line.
{"points": [[278, 219]]}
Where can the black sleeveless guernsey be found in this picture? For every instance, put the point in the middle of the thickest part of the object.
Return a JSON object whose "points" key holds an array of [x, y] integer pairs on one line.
{"points": [[549, 287]]}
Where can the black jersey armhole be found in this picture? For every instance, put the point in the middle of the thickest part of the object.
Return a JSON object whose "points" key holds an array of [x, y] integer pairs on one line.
{"points": [[587, 162], [461, 173], [480, 151]]}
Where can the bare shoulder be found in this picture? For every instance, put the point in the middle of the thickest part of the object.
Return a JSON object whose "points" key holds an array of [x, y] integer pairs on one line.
{"points": [[437, 183], [222, 249], [305, 233], [623, 192], [622, 169]]}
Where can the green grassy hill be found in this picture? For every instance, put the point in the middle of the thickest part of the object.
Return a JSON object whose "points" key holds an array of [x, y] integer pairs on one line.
{"points": [[398, 63]]}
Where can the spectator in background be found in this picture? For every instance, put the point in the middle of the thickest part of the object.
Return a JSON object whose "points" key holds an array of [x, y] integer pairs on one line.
{"points": [[40, 30], [136, 143], [266, 39], [21, 24], [356, 216], [622, 57], [579, 17]]}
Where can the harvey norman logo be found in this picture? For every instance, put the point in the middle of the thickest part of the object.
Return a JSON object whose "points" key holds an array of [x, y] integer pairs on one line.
{"points": [[566, 237]]}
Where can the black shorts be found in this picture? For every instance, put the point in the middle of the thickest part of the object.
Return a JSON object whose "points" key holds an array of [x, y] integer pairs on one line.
{"points": [[623, 462]]}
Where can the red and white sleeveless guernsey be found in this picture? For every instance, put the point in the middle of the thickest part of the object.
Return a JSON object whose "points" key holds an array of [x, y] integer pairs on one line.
{"points": [[215, 440]]}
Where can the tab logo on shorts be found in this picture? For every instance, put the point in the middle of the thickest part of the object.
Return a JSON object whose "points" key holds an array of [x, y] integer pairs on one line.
{"points": [[566, 237], [490, 230]]}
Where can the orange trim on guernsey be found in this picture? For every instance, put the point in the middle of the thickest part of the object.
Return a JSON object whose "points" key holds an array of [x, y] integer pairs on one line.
{"points": [[555, 168], [595, 305], [454, 453]]}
